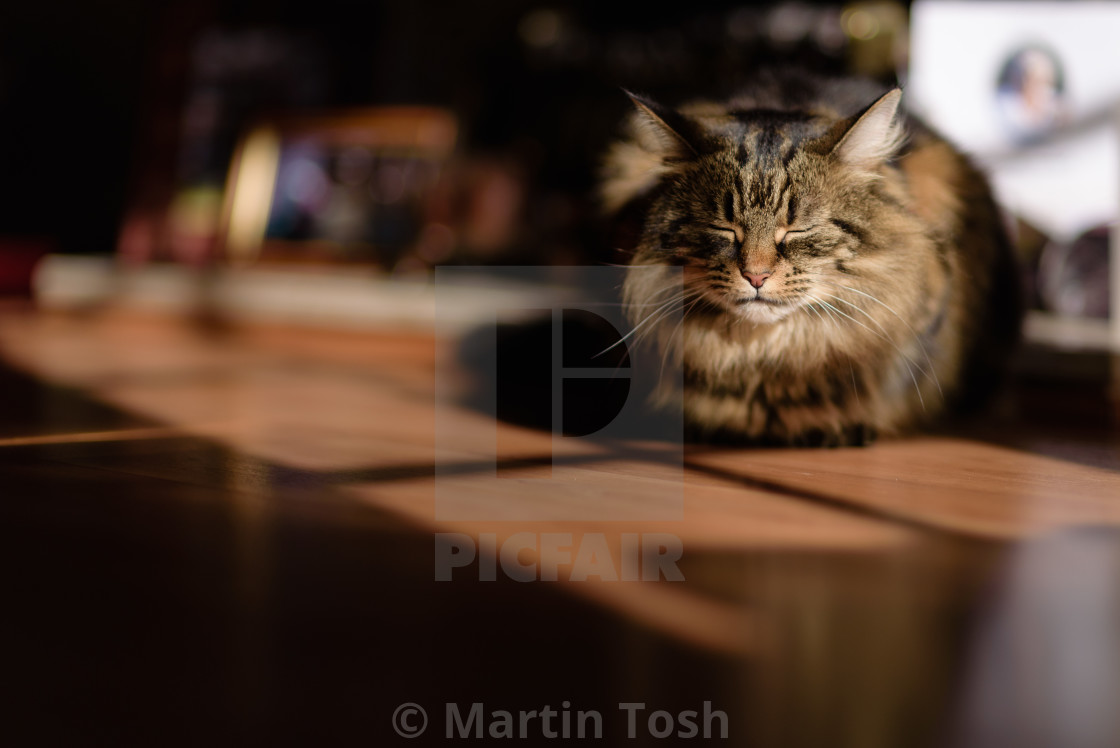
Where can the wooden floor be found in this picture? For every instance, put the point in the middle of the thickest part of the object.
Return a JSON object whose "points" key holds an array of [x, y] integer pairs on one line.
{"points": [[216, 534]]}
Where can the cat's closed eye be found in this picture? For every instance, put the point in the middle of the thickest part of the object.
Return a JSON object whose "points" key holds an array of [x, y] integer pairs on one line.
{"points": [[724, 233]]}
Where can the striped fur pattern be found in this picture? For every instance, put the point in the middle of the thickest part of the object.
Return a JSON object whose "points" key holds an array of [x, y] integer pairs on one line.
{"points": [[845, 270]]}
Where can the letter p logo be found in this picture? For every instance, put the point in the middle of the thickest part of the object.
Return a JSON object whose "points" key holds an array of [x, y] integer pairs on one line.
{"points": [[560, 360]]}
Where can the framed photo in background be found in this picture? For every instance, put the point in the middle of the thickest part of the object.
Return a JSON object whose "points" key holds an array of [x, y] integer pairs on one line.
{"points": [[1030, 90], [355, 187]]}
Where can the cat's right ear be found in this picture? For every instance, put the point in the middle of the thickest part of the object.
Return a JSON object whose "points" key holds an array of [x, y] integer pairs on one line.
{"points": [[876, 135], [659, 130]]}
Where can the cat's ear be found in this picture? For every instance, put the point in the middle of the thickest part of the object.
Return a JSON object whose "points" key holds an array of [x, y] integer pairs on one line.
{"points": [[876, 135], [659, 129]]}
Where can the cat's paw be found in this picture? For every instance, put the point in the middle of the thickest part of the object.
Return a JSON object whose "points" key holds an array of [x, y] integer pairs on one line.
{"points": [[860, 435]]}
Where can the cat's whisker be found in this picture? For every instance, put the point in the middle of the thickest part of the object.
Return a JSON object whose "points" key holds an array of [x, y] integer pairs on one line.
{"points": [[905, 359], [650, 321], [901, 319], [661, 315], [810, 308], [655, 314], [823, 310], [655, 298], [851, 369], [668, 347], [930, 374], [855, 387]]}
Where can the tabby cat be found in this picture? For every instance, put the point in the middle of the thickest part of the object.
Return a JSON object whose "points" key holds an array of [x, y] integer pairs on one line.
{"points": [[845, 270]]}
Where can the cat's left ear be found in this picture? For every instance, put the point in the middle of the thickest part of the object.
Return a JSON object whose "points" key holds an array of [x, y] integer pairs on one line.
{"points": [[661, 129], [876, 135]]}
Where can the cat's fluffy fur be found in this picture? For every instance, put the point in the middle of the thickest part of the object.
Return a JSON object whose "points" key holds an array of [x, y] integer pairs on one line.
{"points": [[887, 285]]}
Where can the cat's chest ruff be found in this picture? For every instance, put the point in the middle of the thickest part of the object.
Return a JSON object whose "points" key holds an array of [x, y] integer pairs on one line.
{"points": [[730, 347]]}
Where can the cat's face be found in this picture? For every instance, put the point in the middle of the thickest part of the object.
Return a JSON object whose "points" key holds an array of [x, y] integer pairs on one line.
{"points": [[770, 218], [769, 244]]}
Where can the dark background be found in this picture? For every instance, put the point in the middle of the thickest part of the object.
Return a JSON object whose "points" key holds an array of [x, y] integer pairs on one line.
{"points": [[92, 93]]}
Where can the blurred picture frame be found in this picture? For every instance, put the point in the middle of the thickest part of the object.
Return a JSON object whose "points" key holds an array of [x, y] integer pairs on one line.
{"points": [[350, 187]]}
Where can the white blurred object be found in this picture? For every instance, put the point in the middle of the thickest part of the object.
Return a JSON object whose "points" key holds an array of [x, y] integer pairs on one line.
{"points": [[1028, 88], [326, 297]]}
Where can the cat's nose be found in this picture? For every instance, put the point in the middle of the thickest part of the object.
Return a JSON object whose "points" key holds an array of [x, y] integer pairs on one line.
{"points": [[756, 279]]}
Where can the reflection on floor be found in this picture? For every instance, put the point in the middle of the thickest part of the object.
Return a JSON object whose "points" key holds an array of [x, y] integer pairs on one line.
{"points": [[229, 531]]}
